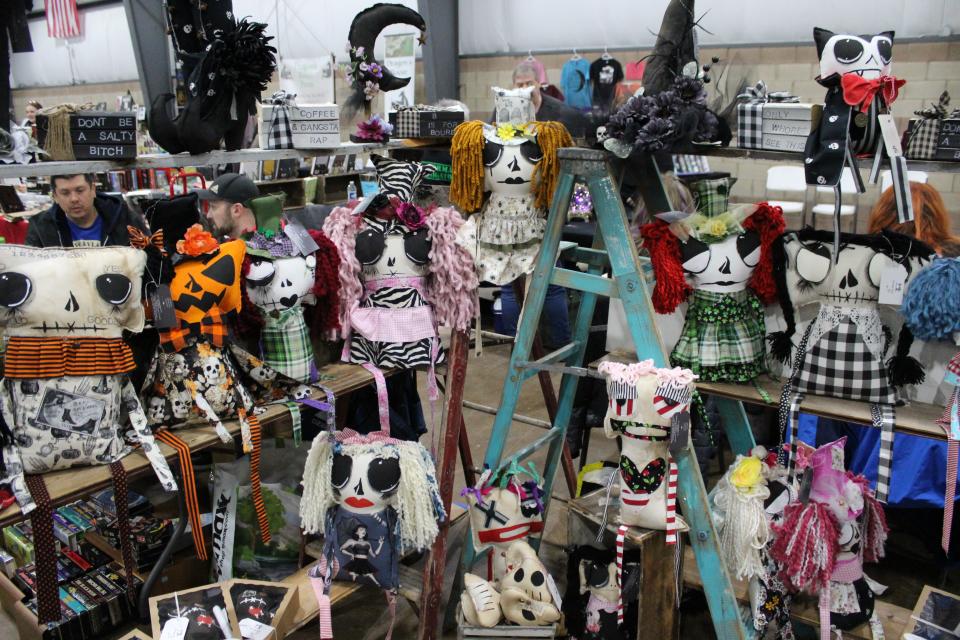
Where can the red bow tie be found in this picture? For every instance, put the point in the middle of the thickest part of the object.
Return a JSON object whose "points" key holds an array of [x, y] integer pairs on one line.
{"points": [[860, 92]]}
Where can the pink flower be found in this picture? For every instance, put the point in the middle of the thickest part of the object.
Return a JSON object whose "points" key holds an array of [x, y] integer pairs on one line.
{"points": [[359, 51], [371, 89], [411, 215]]}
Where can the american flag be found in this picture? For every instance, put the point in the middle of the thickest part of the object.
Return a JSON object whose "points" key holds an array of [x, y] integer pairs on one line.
{"points": [[63, 19]]}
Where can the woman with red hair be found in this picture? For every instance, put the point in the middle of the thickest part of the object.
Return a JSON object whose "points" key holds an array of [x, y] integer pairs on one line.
{"points": [[931, 224]]}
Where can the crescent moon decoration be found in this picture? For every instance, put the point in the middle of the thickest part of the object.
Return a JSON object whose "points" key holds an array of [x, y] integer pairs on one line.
{"points": [[583, 80], [367, 76]]}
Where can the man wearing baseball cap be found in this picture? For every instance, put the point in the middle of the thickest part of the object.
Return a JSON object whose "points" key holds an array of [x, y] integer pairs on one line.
{"points": [[229, 213]]}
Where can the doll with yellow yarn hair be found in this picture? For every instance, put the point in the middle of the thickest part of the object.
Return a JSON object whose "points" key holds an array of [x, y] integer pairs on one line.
{"points": [[506, 172]]}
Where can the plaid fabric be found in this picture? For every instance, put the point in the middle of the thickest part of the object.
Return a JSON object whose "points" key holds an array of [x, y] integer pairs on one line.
{"points": [[408, 123], [884, 418], [839, 364], [749, 125], [722, 338], [712, 196], [285, 344], [213, 328], [922, 138], [280, 135]]}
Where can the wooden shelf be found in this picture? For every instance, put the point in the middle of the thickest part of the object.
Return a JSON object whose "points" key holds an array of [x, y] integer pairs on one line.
{"points": [[71, 484], [804, 608], [916, 418], [932, 166]]}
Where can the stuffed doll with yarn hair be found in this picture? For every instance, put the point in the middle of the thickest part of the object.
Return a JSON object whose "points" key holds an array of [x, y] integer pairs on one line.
{"points": [[65, 399], [931, 310], [823, 540], [645, 404], [725, 261], [373, 498], [845, 351], [516, 163]]}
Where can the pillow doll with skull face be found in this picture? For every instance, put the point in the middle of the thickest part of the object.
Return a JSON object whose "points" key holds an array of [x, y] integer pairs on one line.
{"points": [[594, 594], [278, 281], [65, 398], [372, 497], [516, 163], [822, 543], [727, 259], [844, 351], [856, 72], [646, 405]]}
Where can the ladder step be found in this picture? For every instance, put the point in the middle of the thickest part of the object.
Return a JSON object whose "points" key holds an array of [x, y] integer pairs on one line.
{"points": [[593, 257], [530, 369], [533, 447], [518, 417], [570, 279]]}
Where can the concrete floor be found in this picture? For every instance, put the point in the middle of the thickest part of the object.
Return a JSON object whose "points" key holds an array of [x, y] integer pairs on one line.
{"points": [[908, 566]]}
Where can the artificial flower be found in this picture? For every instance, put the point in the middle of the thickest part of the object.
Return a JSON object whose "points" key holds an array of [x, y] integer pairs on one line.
{"points": [[716, 228], [747, 473], [371, 89], [411, 215], [364, 66], [375, 70], [359, 51], [197, 241], [506, 131]]}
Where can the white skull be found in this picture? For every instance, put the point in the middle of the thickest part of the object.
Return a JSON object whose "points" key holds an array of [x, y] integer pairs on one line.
{"points": [[365, 478], [155, 410], [524, 595], [213, 371], [282, 283], [181, 408], [721, 267]]}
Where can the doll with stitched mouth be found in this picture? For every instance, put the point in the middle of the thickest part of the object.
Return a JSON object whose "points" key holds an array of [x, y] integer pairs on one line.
{"points": [[515, 162]]}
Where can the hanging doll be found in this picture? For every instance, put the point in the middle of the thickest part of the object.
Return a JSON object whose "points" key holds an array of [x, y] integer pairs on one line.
{"points": [[401, 276], [516, 162], [646, 405], [931, 311], [599, 584], [727, 260], [504, 507], [860, 90], [823, 541], [65, 397], [373, 498], [278, 280], [750, 497], [843, 351]]}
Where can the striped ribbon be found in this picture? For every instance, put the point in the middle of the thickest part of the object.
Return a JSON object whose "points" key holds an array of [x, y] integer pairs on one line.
{"points": [[950, 412], [41, 519], [383, 401], [296, 422], [189, 487], [320, 580], [621, 535], [121, 504], [256, 491], [672, 503], [794, 427], [884, 418]]}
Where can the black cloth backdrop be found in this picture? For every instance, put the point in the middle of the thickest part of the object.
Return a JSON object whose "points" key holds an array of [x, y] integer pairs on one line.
{"points": [[15, 36]]}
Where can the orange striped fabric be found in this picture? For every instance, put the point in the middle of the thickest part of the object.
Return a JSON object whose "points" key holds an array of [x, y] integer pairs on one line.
{"points": [[189, 488], [256, 492], [31, 357]]}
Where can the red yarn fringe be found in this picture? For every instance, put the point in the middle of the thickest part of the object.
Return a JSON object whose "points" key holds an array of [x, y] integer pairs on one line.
{"points": [[806, 546]]}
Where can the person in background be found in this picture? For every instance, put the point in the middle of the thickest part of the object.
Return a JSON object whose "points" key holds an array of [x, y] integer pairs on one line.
{"points": [[31, 120], [548, 108], [81, 217], [229, 214], [931, 223]]}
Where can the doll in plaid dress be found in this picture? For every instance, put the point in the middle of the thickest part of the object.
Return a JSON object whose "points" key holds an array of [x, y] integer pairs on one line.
{"points": [[725, 262]]}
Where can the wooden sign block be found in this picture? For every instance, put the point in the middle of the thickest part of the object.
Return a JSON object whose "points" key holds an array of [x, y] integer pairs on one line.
{"points": [[103, 136], [948, 140], [105, 151]]}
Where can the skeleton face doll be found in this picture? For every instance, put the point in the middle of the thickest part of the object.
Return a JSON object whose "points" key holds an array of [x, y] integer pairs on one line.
{"points": [[644, 404], [844, 351], [725, 261], [65, 398], [516, 164], [843, 517]]}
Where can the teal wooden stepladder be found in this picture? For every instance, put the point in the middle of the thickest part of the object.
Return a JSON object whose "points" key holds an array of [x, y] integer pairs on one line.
{"points": [[619, 258]]}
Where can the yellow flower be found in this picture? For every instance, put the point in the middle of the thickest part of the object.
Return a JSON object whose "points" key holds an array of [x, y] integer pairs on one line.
{"points": [[747, 473], [506, 131], [528, 130], [716, 228]]}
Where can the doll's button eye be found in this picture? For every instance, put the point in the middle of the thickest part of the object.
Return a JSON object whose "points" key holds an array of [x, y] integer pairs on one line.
{"points": [[15, 288], [114, 288]]}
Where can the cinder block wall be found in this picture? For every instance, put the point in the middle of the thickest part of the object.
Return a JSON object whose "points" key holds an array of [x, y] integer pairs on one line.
{"points": [[928, 67]]}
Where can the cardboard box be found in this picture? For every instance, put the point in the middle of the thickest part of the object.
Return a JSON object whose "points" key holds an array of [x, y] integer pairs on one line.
{"points": [[211, 595], [781, 126], [278, 597]]}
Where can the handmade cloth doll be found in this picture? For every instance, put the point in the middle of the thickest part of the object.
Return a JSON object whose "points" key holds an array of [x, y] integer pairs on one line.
{"points": [[822, 543], [525, 597], [65, 397], [373, 498], [402, 275], [516, 161], [931, 311], [727, 260], [504, 507], [860, 90], [743, 508], [596, 592], [278, 280], [843, 352], [646, 404]]}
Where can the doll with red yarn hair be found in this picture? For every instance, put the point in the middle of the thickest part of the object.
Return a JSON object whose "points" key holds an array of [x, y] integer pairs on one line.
{"points": [[931, 223], [725, 262]]}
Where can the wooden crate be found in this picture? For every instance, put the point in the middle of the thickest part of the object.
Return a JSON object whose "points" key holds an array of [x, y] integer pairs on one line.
{"points": [[467, 632]]}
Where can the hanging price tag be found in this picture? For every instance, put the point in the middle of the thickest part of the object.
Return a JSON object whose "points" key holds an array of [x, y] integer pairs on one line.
{"points": [[250, 629], [161, 303], [298, 235], [679, 433], [893, 280], [360, 208], [554, 592], [891, 139], [174, 629]]}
